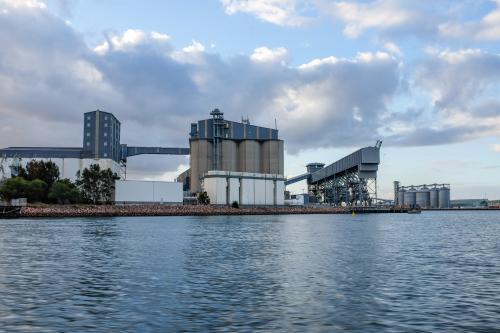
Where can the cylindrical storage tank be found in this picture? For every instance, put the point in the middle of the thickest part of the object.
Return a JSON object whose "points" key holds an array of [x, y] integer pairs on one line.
{"points": [[401, 197], [444, 197], [229, 155], [249, 156], [434, 197], [422, 197], [410, 197]]}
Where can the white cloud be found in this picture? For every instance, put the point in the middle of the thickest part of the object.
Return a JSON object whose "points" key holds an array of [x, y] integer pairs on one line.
{"points": [[393, 48], [380, 14], [265, 54], [194, 47], [29, 4], [129, 40], [280, 12], [485, 29]]}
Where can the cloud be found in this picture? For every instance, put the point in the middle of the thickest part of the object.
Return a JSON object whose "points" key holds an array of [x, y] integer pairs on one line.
{"points": [[265, 54], [487, 28], [380, 14], [279, 12]]}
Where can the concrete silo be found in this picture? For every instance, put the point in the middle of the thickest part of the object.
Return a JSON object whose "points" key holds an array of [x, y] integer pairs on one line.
{"points": [[217, 144]]}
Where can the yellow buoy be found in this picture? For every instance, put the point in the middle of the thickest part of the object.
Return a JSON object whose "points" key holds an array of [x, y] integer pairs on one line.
{"points": [[353, 214]]}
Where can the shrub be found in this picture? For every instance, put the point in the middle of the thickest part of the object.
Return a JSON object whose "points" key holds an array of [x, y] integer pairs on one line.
{"points": [[235, 204], [203, 198]]}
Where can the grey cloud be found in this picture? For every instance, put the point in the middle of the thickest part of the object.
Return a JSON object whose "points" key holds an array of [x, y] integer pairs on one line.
{"points": [[431, 137]]}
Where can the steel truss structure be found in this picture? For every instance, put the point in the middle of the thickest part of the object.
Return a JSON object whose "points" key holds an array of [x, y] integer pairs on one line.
{"points": [[347, 189], [350, 181]]}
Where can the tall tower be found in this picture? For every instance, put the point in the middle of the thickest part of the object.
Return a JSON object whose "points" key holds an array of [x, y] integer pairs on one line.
{"points": [[101, 135]]}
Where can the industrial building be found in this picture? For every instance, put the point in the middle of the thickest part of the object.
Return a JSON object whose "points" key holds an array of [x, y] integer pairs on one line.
{"points": [[350, 181], [245, 188], [101, 145], [147, 192], [217, 144], [249, 157], [423, 196]]}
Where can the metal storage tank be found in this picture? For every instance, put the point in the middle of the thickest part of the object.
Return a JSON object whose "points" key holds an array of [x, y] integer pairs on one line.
{"points": [[422, 197], [444, 197], [434, 197], [410, 197], [401, 197]]}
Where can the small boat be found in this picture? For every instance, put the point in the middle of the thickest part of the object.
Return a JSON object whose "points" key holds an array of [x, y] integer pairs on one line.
{"points": [[414, 211]]}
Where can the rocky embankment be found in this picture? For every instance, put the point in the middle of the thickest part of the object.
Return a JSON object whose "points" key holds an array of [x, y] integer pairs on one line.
{"points": [[166, 210]]}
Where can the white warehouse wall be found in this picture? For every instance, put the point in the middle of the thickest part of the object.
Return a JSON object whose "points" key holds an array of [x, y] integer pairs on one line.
{"points": [[252, 189], [68, 167], [140, 191]]}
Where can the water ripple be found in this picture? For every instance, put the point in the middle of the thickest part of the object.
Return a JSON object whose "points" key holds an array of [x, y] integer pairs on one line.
{"points": [[436, 272]]}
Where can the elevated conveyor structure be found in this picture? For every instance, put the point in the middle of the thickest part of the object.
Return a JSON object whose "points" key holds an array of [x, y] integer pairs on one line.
{"points": [[133, 151], [351, 181]]}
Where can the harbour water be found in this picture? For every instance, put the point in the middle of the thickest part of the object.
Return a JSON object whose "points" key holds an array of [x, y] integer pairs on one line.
{"points": [[432, 272]]}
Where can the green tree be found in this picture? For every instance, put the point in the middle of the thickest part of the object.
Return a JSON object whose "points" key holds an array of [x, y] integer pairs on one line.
{"points": [[64, 192], [45, 171], [36, 191], [96, 185]]}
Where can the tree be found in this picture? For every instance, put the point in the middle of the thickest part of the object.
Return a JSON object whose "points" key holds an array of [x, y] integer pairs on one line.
{"points": [[36, 191], [64, 191], [96, 185], [45, 171], [203, 198]]}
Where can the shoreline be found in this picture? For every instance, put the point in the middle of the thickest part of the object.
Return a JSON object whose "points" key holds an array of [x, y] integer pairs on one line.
{"points": [[62, 211], [166, 210]]}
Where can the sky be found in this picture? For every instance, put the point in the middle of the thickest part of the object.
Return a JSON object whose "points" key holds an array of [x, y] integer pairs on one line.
{"points": [[422, 76]]}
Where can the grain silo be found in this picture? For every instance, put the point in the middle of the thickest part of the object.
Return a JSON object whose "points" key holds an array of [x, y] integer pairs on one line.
{"points": [[410, 197], [401, 196], [434, 197], [423, 197], [220, 145], [444, 197]]}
